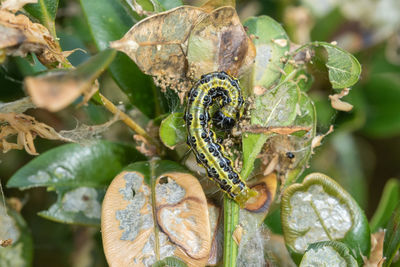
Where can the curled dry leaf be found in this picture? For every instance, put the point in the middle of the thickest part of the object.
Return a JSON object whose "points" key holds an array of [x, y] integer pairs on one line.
{"points": [[26, 128], [15, 5], [376, 257], [140, 228], [220, 43], [6, 243], [266, 188], [338, 104], [56, 90], [19, 36], [316, 142], [276, 129]]}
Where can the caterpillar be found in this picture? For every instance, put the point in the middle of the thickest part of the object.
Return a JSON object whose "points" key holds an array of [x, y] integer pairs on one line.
{"points": [[220, 94]]}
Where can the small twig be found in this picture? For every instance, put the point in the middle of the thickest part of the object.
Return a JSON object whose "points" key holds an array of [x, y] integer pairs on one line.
{"points": [[127, 120]]}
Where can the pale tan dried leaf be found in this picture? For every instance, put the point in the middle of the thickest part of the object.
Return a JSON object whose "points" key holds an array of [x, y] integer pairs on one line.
{"points": [[26, 128], [338, 104], [316, 142], [55, 91], [15, 5], [219, 43], [266, 186], [144, 146], [19, 36], [237, 234], [18, 106], [210, 5], [285, 130], [5, 243], [376, 257]]}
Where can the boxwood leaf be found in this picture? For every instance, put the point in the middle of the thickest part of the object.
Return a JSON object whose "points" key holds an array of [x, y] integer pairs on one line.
{"points": [[113, 23], [74, 165], [45, 11], [391, 243], [329, 253], [172, 130], [320, 210], [14, 228]]}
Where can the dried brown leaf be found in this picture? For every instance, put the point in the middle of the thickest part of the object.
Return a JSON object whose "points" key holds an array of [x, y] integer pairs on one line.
{"points": [[266, 186], [56, 90], [285, 130], [26, 128], [316, 142], [15, 5], [5, 243], [219, 43], [237, 234], [19, 36], [158, 43], [376, 257]]}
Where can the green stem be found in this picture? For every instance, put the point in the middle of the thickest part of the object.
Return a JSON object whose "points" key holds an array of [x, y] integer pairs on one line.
{"points": [[231, 220]]}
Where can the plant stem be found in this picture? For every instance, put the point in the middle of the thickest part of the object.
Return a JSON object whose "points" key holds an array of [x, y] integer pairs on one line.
{"points": [[127, 120], [231, 220]]}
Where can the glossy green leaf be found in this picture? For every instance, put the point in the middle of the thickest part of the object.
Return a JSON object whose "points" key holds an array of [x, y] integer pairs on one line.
{"points": [[111, 25], [73, 165], [330, 253], [271, 44], [45, 11], [300, 143], [389, 199], [13, 226], [173, 130], [343, 68], [320, 210], [382, 96], [391, 243]]}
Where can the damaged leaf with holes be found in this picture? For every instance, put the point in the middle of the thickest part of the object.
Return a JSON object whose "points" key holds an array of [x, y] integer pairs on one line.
{"points": [[154, 210], [79, 175], [320, 210], [16, 245]]}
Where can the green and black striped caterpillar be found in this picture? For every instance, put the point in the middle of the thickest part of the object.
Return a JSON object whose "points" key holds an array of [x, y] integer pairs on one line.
{"points": [[221, 91]]}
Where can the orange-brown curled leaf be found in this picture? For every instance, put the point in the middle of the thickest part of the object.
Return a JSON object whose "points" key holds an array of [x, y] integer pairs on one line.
{"points": [[220, 43], [19, 36], [138, 227], [266, 188]]}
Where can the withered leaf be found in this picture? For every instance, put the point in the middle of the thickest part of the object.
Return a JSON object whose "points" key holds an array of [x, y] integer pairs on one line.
{"points": [[57, 89], [26, 128], [219, 43], [138, 227], [157, 44], [19, 36]]}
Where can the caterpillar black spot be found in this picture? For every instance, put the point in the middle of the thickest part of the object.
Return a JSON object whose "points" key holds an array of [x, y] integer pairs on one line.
{"points": [[221, 91]]}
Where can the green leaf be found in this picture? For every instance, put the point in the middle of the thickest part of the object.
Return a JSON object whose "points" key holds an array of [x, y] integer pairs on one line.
{"points": [[170, 4], [173, 130], [382, 95], [111, 25], [387, 204], [45, 11], [271, 44], [169, 262], [391, 243], [343, 68], [13, 226], [330, 253], [80, 205], [277, 107], [73, 165], [320, 210]]}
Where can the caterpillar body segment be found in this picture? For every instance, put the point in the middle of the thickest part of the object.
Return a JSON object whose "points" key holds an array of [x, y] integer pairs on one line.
{"points": [[222, 90]]}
